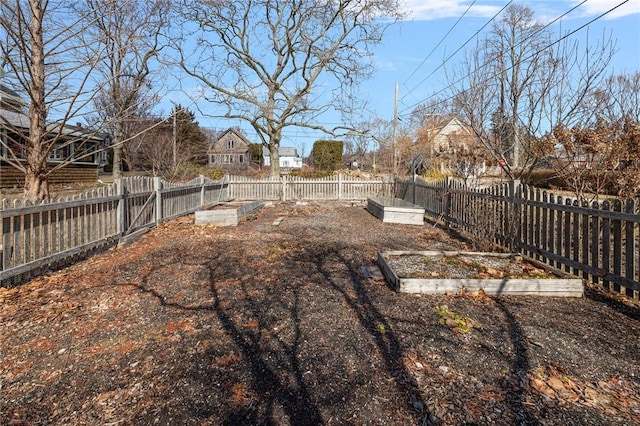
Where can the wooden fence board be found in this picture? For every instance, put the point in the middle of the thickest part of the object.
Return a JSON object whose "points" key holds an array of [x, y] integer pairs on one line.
{"points": [[596, 241], [33, 235]]}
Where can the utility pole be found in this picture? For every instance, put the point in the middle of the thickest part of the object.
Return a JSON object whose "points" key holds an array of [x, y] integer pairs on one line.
{"points": [[175, 135], [393, 136]]}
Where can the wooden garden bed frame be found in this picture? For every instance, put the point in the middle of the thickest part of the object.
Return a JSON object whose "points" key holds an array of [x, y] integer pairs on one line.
{"points": [[395, 210], [559, 287], [228, 214]]}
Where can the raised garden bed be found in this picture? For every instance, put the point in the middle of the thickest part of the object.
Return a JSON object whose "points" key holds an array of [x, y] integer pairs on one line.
{"points": [[440, 272], [227, 214], [395, 210]]}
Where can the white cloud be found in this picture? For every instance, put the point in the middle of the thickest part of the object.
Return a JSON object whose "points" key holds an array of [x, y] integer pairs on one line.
{"points": [[427, 10], [597, 7]]}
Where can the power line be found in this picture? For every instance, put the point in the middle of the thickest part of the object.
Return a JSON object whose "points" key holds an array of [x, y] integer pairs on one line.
{"points": [[524, 59], [439, 43], [530, 36], [457, 50]]}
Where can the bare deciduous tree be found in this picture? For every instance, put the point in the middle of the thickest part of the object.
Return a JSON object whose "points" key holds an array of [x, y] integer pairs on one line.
{"points": [[520, 80], [128, 33], [275, 64], [618, 97], [40, 56]]}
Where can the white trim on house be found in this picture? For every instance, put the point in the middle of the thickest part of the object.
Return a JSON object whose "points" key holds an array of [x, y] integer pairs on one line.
{"points": [[289, 158]]}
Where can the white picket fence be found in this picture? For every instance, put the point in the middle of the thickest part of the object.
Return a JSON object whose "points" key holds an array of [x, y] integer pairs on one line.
{"points": [[285, 188]]}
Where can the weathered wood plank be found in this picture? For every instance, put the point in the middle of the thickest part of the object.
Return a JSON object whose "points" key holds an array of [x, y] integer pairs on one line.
{"points": [[557, 287], [395, 210], [560, 287], [228, 215]]}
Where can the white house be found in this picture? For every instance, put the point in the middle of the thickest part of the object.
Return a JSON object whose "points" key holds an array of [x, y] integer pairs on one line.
{"points": [[289, 158]]}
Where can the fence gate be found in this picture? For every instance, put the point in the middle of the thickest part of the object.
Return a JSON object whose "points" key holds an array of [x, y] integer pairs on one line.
{"points": [[140, 209]]}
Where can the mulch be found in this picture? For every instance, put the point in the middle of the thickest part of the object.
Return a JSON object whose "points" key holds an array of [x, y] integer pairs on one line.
{"points": [[277, 325]]}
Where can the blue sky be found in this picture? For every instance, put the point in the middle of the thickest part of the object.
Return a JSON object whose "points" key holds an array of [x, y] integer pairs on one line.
{"points": [[408, 54]]}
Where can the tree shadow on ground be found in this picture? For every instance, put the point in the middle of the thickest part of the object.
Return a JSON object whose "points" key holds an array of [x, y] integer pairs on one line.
{"points": [[273, 362], [377, 325], [516, 384], [600, 295], [275, 376], [267, 374]]}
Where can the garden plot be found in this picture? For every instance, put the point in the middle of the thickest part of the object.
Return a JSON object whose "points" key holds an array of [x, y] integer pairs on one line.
{"points": [[395, 210], [228, 214], [439, 272]]}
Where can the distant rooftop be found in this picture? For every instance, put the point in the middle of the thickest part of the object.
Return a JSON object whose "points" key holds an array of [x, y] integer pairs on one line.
{"points": [[284, 151]]}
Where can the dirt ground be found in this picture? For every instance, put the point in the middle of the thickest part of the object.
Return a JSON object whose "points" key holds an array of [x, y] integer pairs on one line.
{"points": [[277, 325]]}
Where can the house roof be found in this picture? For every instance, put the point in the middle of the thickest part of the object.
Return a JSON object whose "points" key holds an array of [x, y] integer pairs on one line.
{"points": [[10, 96], [283, 151], [438, 124], [14, 119], [19, 120], [236, 132]]}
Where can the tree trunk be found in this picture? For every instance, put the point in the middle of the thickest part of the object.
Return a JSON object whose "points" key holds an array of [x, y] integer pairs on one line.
{"points": [[36, 186], [117, 151], [274, 153]]}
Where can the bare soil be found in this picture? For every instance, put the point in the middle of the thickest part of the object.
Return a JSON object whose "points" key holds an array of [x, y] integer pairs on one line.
{"points": [[475, 266], [277, 325]]}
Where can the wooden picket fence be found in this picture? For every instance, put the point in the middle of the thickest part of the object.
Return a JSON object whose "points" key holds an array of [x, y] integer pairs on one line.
{"points": [[40, 237], [598, 241], [43, 236], [287, 188]]}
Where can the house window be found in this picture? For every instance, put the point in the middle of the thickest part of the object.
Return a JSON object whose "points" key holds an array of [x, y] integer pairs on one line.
{"points": [[59, 152], [285, 163], [212, 159], [231, 144], [241, 158], [85, 152], [227, 159]]}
